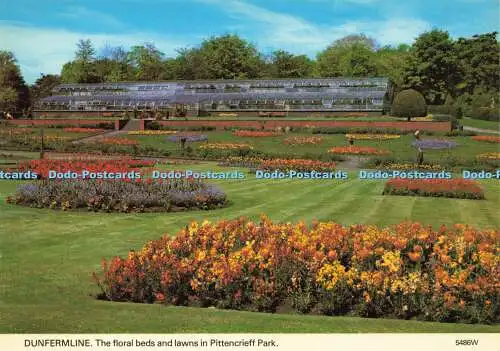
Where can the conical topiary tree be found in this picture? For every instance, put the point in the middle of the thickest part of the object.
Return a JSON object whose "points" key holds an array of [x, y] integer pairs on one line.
{"points": [[409, 103]]}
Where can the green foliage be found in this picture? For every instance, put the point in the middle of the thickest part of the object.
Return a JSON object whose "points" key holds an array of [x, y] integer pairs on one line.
{"points": [[287, 65], [409, 103], [14, 93], [43, 86]]}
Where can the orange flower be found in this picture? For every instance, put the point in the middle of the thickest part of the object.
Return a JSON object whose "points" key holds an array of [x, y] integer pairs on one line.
{"points": [[415, 256]]}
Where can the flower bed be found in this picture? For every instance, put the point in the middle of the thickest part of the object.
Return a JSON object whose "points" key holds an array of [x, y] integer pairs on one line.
{"points": [[83, 130], [239, 161], [409, 166], [453, 188], [357, 150], [405, 271], [434, 144], [152, 132], [44, 166], [487, 138], [225, 146], [372, 136], [192, 138], [297, 165], [489, 156], [254, 133], [119, 141], [297, 140], [119, 196]]}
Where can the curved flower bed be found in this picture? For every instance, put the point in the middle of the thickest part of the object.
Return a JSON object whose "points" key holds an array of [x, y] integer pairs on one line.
{"points": [[410, 166], [152, 132], [239, 161], [119, 196], [83, 130], [489, 156], [486, 138], [225, 146], [405, 271], [119, 141], [254, 134], [434, 144], [298, 140], [454, 188], [297, 165], [193, 138], [372, 136], [357, 150]]}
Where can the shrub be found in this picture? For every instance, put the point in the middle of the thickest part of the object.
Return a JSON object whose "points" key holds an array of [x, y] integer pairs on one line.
{"points": [[409, 103]]}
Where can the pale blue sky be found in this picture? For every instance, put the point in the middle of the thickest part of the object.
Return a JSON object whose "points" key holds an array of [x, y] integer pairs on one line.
{"points": [[43, 34]]}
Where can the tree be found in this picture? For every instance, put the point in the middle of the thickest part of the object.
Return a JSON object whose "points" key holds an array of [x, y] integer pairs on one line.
{"points": [[43, 86], [409, 103], [14, 93], [432, 66], [147, 61], [287, 65], [82, 69], [228, 57], [350, 56]]}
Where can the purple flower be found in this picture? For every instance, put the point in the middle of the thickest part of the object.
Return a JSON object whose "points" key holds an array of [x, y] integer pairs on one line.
{"points": [[434, 144]]}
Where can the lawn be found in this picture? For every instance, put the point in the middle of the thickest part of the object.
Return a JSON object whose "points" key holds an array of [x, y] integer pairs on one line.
{"points": [[400, 148], [47, 257]]}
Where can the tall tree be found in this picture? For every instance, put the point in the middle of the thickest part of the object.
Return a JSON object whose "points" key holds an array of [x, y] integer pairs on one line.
{"points": [[82, 69], [351, 56], [432, 66], [147, 61], [14, 93], [287, 65], [43, 86]]}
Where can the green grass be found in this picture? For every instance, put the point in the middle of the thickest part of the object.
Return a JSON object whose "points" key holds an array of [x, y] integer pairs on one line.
{"points": [[477, 123], [402, 148], [47, 257]]}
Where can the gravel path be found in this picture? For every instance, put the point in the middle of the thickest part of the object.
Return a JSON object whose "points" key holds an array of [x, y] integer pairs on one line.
{"points": [[479, 130]]}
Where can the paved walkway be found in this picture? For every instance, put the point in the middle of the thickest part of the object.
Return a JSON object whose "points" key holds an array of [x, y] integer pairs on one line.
{"points": [[480, 130]]}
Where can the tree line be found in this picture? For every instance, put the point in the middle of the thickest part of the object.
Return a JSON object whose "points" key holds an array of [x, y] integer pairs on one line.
{"points": [[444, 70]]}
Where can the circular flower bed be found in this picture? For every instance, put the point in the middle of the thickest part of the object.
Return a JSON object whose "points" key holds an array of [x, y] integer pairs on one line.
{"points": [[357, 150], [489, 156], [119, 196], [405, 271], [191, 138], [434, 144], [372, 136]]}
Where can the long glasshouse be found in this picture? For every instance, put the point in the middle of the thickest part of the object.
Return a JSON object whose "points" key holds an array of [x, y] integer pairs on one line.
{"points": [[219, 96]]}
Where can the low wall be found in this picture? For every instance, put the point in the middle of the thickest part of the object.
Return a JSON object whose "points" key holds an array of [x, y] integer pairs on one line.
{"points": [[271, 124], [42, 122]]}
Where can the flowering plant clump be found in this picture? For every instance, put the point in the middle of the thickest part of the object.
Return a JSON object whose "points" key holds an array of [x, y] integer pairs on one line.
{"points": [[119, 196], [226, 146], [119, 141], [240, 161], [192, 138], [254, 134], [83, 130], [405, 271], [297, 165], [372, 136], [434, 144], [457, 188], [489, 156], [44, 166], [297, 140], [357, 150], [152, 132], [487, 138]]}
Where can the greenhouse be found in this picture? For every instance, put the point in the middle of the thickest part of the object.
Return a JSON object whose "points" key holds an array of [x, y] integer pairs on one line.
{"points": [[297, 95]]}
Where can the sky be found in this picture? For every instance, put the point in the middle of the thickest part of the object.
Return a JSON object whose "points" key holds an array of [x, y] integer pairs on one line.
{"points": [[43, 34]]}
